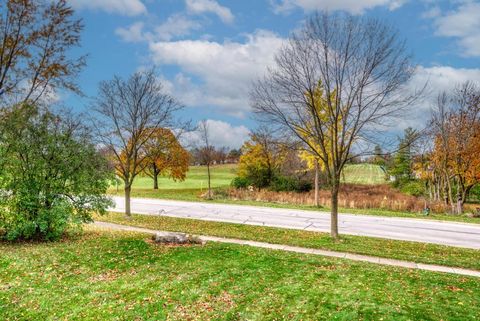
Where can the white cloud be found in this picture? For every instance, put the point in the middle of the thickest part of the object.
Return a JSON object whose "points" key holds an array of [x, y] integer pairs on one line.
{"points": [[123, 7], [352, 6], [225, 70], [176, 25], [221, 134], [133, 33], [462, 24], [437, 79], [210, 6], [440, 78]]}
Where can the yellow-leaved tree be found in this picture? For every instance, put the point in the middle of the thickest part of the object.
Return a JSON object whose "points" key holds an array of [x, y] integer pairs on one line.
{"points": [[312, 153]]}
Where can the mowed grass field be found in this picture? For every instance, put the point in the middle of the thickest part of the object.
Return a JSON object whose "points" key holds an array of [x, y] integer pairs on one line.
{"points": [[197, 178], [222, 175], [369, 174], [104, 275]]}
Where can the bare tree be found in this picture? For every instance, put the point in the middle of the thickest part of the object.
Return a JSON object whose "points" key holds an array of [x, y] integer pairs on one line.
{"points": [[35, 37], [206, 151], [127, 111], [333, 84]]}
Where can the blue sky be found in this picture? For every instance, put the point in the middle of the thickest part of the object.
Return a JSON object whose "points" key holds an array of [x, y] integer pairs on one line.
{"points": [[208, 52]]}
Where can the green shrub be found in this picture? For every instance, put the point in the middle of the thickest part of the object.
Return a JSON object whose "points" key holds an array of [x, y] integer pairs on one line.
{"points": [[51, 175], [240, 182], [414, 188], [474, 195], [289, 184]]}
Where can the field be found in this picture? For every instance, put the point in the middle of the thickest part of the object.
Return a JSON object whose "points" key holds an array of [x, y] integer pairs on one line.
{"points": [[122, 276], [221, 176], [363, 174]]}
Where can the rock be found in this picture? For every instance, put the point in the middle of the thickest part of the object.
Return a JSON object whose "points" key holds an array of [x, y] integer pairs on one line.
{"points": [[175, 238]]}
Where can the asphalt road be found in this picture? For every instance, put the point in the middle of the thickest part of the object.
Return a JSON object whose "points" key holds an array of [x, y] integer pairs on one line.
{"points": [[429, 231]]}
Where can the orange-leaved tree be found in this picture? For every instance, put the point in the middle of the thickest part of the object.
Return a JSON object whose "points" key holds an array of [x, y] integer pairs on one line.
{"points": [[164, 155]]}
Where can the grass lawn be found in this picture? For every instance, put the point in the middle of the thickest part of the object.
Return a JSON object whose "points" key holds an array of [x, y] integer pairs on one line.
{"points": [[402, 250], [121, 276], [221, 176], [363, 174]]}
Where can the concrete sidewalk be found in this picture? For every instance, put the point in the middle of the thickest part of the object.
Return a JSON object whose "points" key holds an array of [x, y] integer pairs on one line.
{"points": [[348, 256]]}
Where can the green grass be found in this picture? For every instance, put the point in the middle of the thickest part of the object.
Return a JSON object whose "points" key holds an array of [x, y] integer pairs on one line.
{"points": [[221, 175], [402, 250], [120, 276], [369, 174]]}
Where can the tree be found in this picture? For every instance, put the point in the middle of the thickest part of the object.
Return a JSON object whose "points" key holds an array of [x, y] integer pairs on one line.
{"points": [[379, 157], [52, 176], [456, 134], [403, 160], [234, 155], [35, 37], [362, 67], [164, 156], [261, 158], [206, 152], [127, 110]]}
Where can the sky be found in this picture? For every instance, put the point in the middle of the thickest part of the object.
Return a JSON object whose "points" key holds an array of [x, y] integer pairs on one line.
{"points": [[208, 52]]}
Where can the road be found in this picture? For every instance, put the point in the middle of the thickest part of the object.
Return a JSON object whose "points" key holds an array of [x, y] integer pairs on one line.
{"points": [[428, 231]]}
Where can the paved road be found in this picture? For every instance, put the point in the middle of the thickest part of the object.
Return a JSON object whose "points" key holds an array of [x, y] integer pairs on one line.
{"points": [[429, 231]]}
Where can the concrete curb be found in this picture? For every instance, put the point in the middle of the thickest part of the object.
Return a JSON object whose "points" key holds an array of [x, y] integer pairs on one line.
{"points": [[296, 249]]}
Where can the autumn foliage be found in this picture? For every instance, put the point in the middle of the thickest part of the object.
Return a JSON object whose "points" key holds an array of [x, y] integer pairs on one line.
{"points": [[164, 156], [454, 165]]}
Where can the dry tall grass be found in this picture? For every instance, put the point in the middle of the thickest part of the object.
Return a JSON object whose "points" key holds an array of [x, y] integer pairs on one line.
{"points": [[351, 196]]}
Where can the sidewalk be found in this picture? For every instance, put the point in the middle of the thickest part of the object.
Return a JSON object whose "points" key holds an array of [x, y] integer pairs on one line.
{"points": [[348, 256]]}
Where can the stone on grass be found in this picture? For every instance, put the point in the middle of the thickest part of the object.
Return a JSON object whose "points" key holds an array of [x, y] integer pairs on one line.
{"points": [[175, 238]]}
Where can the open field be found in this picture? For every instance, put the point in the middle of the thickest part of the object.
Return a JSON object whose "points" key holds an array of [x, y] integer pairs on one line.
{"points": [[106, 275], [402, 250], [369, 174], [221, 176]]}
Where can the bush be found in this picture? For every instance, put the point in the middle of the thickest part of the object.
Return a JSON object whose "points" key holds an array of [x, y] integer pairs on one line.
{"points": [[474, 195], [240, 182], [51, 175], [414, 188], [288, 184]]}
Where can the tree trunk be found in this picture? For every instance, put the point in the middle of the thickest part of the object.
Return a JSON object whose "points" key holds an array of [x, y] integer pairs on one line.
{"points": [[209, 187], [155, 173], [155, 180], [317, 190], [128, 212], [334, 210], [459, 197]]}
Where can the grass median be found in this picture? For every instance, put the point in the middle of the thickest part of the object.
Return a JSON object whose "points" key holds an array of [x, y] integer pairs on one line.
{"points": [[401, 250]]}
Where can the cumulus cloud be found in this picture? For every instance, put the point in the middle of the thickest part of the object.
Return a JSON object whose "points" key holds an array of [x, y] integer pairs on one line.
{"points": [[352, 6], [210, 6], [123, 7], [463, 24], [225, 70], [221, 134], [133, 33], [437, 79], [175, 26]]}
